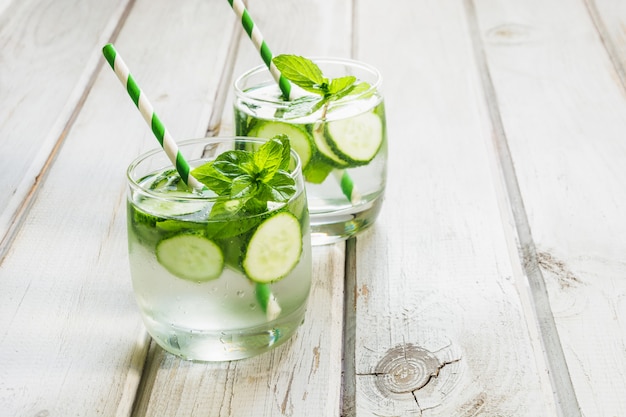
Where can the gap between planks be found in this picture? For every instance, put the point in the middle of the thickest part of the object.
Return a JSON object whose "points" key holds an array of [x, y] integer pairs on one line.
{"points": [[224, 85], [607, 40], [533, 290], [348, 355]]}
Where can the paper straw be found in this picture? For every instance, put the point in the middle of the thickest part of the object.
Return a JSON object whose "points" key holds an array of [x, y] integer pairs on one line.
{"points": [[259, 43], [348, 187], [266, 298], [147, 111]]}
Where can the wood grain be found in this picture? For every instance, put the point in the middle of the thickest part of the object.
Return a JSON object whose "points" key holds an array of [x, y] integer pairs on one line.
{"points": [[566, 142], [49, 51], [72, 342], [491, 285], [610, 23], [441, 328]]}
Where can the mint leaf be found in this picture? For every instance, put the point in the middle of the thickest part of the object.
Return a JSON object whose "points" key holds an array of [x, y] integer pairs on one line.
{"points": [[307, 75], [232, 217], [231, 227], [213, 178], [243, 186], [252, 178], [219, 174], [338, 85], [286, 155], [351, 90], [345, 92], [234, 163], [360, 88], [281, 186], [269, 158], [302, 72]]}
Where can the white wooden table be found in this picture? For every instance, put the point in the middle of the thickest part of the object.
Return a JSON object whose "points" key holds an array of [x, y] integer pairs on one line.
{"points": [[493, 284]]}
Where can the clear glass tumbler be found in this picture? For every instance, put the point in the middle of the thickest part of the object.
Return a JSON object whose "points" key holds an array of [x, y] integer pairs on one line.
{"points": [[216, 277], [342, 145]]}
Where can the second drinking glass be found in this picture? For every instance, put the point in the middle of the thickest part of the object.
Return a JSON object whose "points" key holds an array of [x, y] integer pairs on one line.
{"points": [[342, 144]]}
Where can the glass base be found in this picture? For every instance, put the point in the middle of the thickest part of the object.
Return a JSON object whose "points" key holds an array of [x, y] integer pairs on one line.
{"points": [[331, 227], [227, 345]]}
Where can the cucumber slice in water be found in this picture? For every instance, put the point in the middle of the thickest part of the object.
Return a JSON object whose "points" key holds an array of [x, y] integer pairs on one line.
{"points": [[191, 257], [327, 154], [170, 186], [356, 139], [274, 248], [299, 138], [169, 208]]}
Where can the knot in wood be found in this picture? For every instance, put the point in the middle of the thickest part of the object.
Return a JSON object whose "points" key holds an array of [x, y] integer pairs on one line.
{"points": [[406, 368], [510, 33]]}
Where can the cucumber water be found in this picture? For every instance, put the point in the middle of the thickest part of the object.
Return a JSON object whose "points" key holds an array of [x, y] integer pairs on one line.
{"points": [[204, 285], [343, 146]]}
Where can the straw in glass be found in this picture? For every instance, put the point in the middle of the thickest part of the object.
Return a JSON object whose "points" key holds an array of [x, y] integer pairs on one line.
{"points": [[348, 187], [147, 111], [255, 35], [264, 295]]}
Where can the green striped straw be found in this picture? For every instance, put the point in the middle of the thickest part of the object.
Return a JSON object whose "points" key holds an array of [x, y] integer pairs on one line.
{"points": [[264, 295], [259, 43], [147, 111], [347, 186], [254, 33]]}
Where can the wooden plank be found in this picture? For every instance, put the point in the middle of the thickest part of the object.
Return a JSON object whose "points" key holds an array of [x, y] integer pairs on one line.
{"points": [[48, 55], [520, 241], [609, 18], [303, 377], [300, 378], [72, 341], [443, 325], [4, 4], [563, 111]]}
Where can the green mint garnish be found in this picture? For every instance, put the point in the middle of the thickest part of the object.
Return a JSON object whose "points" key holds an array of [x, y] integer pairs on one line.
{"points": [[248, 181], [307, 75]]}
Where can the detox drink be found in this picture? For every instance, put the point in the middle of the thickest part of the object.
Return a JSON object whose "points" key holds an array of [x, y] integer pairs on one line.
{"points": [[220, 273], [336, 123]]}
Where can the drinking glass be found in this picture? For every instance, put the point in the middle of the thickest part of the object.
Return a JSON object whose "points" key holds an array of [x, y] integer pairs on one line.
{"points": [[209, 284], [342, 145]]}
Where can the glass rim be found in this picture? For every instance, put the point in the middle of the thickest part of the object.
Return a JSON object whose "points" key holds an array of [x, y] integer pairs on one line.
{"points": [[374, 86], [133, 182]]}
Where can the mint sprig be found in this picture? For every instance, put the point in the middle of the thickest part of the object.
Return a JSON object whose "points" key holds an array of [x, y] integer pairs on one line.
{"points": [[247, 181], [307, 75]]}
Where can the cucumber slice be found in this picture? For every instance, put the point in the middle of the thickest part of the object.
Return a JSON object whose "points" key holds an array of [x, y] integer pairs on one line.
{"points": [[325, 151], [356, 139], [168, 180], [170, 186], [191, 257], [274, 248], [138, 216], [299, 138], [169, 208]]}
